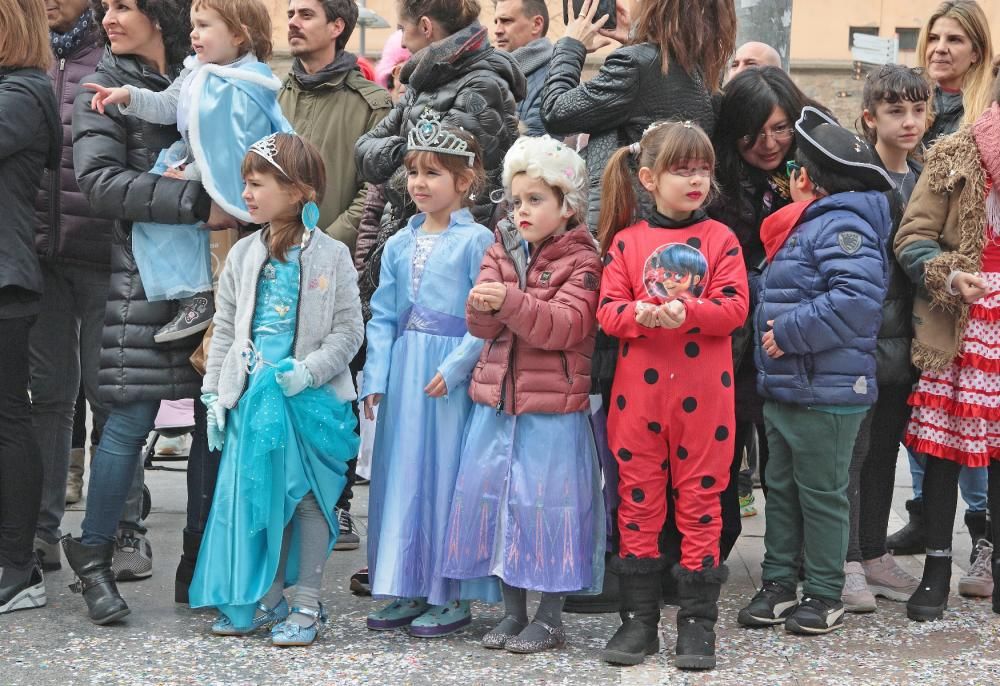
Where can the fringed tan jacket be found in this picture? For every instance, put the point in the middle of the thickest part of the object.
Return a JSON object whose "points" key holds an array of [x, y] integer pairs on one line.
{"points": [[943, 230]]}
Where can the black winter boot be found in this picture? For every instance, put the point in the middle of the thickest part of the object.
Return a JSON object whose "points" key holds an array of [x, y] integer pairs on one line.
{"points": [[910, 539], [699, 599], [608, 600], [639, 634], [930, 600], [92, 564], [979, 528], [996, 587], [185, 568]]}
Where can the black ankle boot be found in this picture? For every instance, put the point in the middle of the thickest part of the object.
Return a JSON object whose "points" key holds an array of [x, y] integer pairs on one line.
{"points": [[930, 600], [639, 634], [608, 600], [699, 600], [979, 528], [910, 539], [185, 568], [92, 564], [996, 587]]}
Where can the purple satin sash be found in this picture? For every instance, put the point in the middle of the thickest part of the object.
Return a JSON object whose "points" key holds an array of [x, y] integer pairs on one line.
{"points": [[421, 319]]}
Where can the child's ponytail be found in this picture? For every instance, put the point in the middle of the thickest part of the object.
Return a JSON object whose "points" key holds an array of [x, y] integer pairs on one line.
{"points": [[618, 201]]}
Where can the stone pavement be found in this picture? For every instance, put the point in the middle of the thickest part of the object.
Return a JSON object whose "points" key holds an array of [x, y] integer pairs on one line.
{"points": [[163, 643]]}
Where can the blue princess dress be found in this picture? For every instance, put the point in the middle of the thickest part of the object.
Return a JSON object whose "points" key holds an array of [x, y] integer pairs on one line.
{"points": [[418, 329], [277, 449]]}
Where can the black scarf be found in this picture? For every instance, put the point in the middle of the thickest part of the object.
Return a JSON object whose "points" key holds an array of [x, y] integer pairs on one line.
{"points": [[342, 63]]}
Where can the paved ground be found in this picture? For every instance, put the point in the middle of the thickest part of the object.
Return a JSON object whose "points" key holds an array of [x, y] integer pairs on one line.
{"points": [[162, 643]]}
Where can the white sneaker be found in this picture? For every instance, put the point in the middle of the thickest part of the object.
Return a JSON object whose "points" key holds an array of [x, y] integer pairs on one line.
{"points": [[856, 596], [978, 581]]}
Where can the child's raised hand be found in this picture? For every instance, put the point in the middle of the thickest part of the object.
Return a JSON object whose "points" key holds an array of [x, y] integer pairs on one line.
{"points": [[671, 315], [488, 296], [437, 388], [370, 403], [970, 287], [107, 96], [770, 345], [645, 315]]}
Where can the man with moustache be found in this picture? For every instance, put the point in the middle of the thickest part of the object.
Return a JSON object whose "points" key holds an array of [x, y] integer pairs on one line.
{"points": [[519, 27], [330, 104]]}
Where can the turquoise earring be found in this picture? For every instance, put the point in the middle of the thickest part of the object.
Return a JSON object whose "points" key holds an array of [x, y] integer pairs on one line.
{"points": [[310, 215]]}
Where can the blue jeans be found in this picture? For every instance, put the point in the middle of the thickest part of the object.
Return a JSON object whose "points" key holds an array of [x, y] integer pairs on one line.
{"points": [[972, 482], [114, 466]]}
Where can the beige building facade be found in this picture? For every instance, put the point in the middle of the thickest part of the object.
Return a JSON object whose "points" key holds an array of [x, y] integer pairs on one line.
{"points": [[821, 29]]}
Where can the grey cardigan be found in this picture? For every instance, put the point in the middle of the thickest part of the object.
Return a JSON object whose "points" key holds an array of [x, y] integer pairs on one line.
{"points": [[329, 329]]}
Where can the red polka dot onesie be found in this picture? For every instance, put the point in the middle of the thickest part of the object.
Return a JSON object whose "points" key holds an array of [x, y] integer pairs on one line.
{"points": [[672, 396]]}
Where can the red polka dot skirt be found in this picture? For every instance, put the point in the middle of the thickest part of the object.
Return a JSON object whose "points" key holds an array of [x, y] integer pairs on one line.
{"points": [[956, 411]]}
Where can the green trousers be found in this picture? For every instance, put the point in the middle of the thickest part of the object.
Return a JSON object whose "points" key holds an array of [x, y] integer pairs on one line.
{"points": [[807, 509]]}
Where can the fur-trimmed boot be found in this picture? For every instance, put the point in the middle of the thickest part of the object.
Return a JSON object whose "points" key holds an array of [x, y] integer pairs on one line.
{"points": [[699, 610], [639, 634], [185, 568], [95, 580]]}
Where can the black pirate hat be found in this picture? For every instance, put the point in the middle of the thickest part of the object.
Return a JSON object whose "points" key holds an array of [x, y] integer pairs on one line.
{"points": [[838, 150]]}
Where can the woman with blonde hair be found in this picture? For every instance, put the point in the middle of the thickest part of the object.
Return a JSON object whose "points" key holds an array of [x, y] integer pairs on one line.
{"points": [[30, 140], [956, 50]]}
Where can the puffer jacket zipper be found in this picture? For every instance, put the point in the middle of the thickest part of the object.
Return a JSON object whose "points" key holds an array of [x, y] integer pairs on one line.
{"points": [[55, 175], [511, 372]]}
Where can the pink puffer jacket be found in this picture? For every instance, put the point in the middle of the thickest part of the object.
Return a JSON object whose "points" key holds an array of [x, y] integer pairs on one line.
{"points": [[538, 345]]}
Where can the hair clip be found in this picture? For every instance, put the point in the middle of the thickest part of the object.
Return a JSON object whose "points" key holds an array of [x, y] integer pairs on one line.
{"points": [[688, 124], [429, 135], [267, 149], [635, 148]]}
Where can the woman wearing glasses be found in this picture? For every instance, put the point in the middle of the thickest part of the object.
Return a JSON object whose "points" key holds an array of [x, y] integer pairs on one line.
{"points": [[754, 137]]}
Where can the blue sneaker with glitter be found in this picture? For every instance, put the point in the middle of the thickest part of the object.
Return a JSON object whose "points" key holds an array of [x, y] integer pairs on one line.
{"points": [[396, 614], [287, 634], [223, 626], [442, 620]]}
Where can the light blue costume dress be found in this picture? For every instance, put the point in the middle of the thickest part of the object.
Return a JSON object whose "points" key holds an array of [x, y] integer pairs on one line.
{"points": [[418, 329], [220, 112], [277, 449]]}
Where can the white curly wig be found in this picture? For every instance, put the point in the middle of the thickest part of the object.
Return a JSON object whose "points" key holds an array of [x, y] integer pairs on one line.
{"points": [[556, 164]]}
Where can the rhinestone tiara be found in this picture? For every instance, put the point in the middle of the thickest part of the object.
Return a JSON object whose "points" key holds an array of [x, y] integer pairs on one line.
{"points": [[267, 149], [430, 135]]}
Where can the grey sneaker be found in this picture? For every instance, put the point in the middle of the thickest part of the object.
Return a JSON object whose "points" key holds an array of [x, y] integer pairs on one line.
{"points": [[978, 581], [193, 316], [856, 597], [886, 579], [348, 538], [48, 555], [133, 556]]}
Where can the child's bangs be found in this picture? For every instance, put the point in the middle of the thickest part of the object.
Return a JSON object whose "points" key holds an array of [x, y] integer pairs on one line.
{"points": [[255, 164], [901, 85], [684, 145]]}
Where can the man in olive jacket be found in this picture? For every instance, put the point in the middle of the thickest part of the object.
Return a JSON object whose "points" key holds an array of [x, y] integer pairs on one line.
{"points": [[331, 104]]}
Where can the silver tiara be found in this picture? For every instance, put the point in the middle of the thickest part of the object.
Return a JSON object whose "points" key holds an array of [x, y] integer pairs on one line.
{"points": [[267, 149], [430, 135]]}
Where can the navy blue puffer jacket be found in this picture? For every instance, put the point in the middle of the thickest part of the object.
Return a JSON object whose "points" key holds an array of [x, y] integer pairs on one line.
{"points": [[823, 289]]}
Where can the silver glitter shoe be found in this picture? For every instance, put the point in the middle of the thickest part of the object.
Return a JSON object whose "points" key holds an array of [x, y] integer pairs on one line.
{"points": [[507, 629], [555, 637]]}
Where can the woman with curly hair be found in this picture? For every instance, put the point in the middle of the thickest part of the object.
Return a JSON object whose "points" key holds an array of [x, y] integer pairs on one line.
{"points": [[147, 41]]}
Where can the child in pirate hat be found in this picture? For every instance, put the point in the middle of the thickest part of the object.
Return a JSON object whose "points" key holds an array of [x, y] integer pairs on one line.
{"points": [[820, 301]]}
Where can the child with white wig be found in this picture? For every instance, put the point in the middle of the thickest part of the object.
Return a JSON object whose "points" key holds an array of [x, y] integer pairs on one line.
{"points": [[527, 505]]}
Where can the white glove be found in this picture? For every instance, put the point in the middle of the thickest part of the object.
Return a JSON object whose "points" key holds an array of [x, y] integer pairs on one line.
{"points": [[293, 377], [216, 420]]}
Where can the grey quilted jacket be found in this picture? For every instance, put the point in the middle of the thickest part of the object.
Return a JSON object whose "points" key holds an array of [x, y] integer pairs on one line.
{"points": [[473, 86], [328, 326], [628, 94]]}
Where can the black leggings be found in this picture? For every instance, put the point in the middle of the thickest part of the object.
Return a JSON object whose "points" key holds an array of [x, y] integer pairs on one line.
{"points": [[941, 500]]}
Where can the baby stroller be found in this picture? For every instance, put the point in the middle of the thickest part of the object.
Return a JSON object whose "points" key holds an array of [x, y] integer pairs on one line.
{"points": [[175, 419]]}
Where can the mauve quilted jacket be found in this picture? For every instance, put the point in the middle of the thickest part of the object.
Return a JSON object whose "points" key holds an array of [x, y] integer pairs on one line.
{"points": [[538, 345], [69, 231]]}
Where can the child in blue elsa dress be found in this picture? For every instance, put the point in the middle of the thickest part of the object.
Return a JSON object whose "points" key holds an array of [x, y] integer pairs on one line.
{"points": [[278, 393], [419, 359], [223, 100]]}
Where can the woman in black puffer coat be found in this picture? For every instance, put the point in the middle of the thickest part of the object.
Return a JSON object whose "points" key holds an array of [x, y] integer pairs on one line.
{"points": [[30, 140], [112, 153], [455, 72]]}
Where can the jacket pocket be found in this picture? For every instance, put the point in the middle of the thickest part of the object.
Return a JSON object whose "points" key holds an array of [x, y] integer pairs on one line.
{"points": [[565, 367]]}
